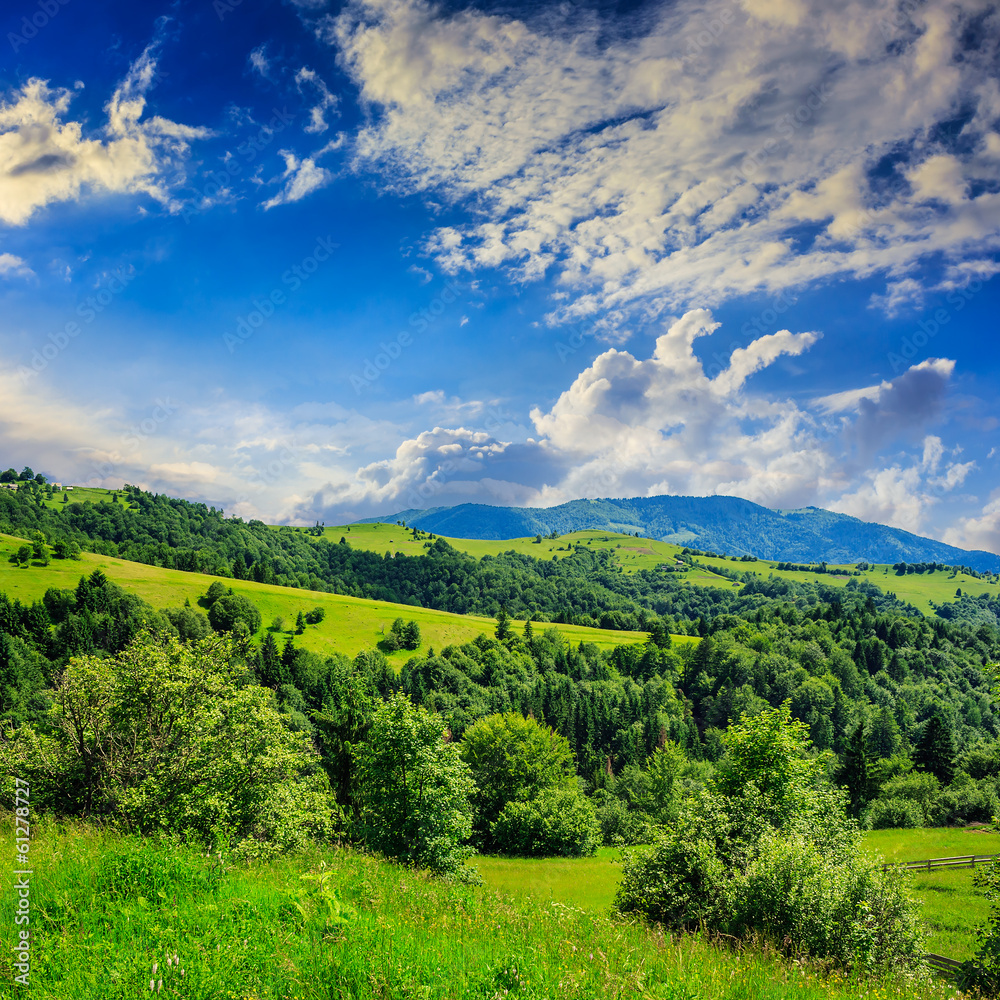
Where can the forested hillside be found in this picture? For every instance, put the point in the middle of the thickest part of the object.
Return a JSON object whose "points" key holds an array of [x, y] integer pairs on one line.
{"points": [[586, 588], [721, 523], [518, 742]]}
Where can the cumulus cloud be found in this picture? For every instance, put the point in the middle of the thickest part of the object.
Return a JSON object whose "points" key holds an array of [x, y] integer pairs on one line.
{"points": [[979, 532], [47, 158], [724, 150], [633, 426], [12, 266]]}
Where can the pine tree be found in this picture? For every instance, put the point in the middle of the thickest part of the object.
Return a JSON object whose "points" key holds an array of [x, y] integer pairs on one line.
{"points": [[300, 624], [884, 738], [503, 624], [936, 750], [270, 665], [853, 773], [528, 634]]}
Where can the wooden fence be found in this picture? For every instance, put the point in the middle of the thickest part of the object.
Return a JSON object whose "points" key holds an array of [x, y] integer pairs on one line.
{"points": [[945, 966], [965, 861]]}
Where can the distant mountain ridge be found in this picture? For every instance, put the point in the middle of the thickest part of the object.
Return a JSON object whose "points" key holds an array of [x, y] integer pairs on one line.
{"points": [[720, 523]]}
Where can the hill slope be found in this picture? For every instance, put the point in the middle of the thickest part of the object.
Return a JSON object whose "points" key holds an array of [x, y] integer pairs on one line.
{"points": [[726, 524]]}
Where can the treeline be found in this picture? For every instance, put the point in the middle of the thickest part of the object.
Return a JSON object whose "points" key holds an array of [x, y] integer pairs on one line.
{"points": [[586, 587]]}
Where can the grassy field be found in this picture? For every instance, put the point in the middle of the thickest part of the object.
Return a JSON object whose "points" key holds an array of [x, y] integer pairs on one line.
{"points": [[952, 907], [79, 494], [588, 883], [109, 913], [920, 590], [351, 624]]}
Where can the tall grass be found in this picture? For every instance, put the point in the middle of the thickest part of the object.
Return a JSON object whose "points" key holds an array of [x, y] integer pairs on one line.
{"points": [[107, 908]]}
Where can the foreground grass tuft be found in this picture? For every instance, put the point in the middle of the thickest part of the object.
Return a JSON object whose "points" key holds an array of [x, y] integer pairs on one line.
{"points": [[332, 923]]}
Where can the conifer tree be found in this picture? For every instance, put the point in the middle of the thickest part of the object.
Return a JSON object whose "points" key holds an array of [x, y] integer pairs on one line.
{"points": [[853, 774], [936, 750]]}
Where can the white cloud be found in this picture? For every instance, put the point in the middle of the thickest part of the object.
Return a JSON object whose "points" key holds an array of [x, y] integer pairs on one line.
{"points": [[325, 100], [301, 177], [12, 266], [260, 61], [980, 532], [726, 150], [899, 295], [45, 158]]}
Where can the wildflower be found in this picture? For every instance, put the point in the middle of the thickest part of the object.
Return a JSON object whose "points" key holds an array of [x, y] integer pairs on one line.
{"points": [[155, 967]]}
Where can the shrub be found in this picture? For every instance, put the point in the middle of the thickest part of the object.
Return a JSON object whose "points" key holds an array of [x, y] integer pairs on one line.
{"points": [[981, 973], [231, 609], [620, 827], [895, 814], [168, 738], [769, 849], [413, 790], [557, 822], [965, 801], [512, 758]]}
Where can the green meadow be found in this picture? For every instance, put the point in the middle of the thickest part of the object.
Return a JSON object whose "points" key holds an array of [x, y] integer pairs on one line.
{"points": [[351, 624], [920, 590], [951, 906], [114, 918]]}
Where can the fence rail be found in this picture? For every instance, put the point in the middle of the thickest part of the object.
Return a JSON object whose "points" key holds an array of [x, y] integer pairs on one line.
{"points": [[965, 861], [947, 966]]}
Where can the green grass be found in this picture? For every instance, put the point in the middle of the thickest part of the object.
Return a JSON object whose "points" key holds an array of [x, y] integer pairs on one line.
{"points": [[351, 625], [937, 842], [589, 883], [951, 907], [920, 590], [79, 494], [105, 908]]}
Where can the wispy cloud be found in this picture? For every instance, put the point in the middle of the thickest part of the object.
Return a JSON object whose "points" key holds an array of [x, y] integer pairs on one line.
{"points": [[45, 158], [12, 266], [685, 165]]}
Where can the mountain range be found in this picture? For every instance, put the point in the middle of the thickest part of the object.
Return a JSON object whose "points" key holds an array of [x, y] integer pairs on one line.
{"points": [[718, 523]]}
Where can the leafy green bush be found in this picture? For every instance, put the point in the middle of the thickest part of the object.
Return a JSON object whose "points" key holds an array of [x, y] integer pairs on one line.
{"points": [[512, 759], [769, 849], [230, 609], [895, 814], [620, 826], [413, 790], [169, 738], [981, 974], [557, 822], [965, 801]]}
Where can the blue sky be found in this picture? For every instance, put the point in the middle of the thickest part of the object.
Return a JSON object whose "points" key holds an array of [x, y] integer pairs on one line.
{"points": [[314, 260]]}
